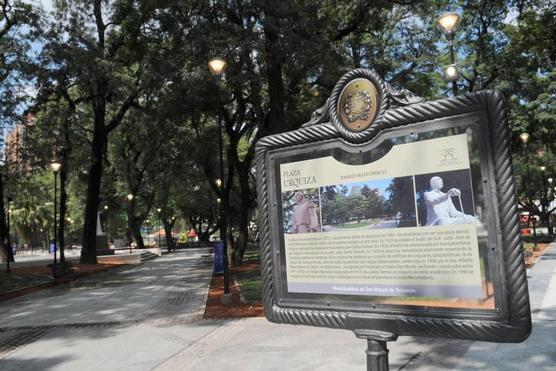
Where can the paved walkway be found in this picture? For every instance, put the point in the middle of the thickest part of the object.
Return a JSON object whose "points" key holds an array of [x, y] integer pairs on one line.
{"points": [[148, 317], [538, 352], [127, 318], [255, 344]]}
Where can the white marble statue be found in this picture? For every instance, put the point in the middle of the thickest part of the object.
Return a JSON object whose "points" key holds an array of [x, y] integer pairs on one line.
{"points": [[305, 218], [99, 226], [440, 208]]}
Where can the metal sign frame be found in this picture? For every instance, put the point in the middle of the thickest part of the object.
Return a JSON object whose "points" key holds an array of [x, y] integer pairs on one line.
{"points": [[400, 110]]}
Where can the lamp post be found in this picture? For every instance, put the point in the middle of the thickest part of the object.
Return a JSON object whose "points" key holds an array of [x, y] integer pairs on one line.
{"points": [[55, 166], [106, 224], [8, 236], [146, 226], [545, 205], [158, 210], [216, 67], [171, 239], [524, 137], [548, 204], [447, 24], [129, 198], [70, 221], [42, 240]]}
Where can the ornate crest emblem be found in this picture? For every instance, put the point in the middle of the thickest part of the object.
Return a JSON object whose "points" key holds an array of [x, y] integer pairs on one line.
{"points": [[358, 106]]}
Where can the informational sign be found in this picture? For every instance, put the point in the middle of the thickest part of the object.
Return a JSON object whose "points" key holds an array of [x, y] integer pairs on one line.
{"points": [[219, 257], [387, 213], [356, 229]]}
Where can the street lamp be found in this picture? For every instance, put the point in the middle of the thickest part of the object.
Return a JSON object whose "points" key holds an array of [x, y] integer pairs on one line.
{"points": [[545, 203], [216, 67], [70, 221], [158, 210], [447, 23], [42, 240], [9, 242], [524, 137], [451, 73], [55, 166], [129, 198], [106, 224], [550, 199]]}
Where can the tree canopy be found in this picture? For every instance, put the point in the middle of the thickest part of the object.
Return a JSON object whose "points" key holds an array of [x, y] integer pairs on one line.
{"points": [[123, 98]]}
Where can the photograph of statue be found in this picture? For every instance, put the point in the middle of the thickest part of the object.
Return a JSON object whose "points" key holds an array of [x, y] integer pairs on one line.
{"points": [[301, 211], [445, 198]]}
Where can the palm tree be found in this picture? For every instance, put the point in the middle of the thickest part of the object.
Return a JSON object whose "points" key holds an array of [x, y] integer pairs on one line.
{"points": [[29, 219]]}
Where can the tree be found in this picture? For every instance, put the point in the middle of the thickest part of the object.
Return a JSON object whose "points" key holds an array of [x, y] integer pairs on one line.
{"points": [[530, 84], [402, 199], [31, 213], [142, 65], [15, 16], [106, 63], [261, 95]]}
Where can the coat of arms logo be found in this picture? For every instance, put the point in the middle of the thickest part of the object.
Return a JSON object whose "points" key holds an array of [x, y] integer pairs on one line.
{"points": [[357, 106]]}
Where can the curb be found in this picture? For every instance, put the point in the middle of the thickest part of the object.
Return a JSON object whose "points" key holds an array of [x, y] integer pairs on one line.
{"points": [[20, 291], [25, 288]]}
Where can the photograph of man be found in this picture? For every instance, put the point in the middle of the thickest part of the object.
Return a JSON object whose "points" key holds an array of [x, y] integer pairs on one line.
{"points": [[440, 207], [305, 219]]}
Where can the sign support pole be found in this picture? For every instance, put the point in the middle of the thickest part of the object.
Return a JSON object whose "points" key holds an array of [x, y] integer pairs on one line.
{"points": [[377, 349]]}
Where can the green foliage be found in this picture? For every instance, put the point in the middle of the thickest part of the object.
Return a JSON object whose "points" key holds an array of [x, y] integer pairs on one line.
{"points": [[32, 207], [146, 83], [251, 285], [402, 197]]}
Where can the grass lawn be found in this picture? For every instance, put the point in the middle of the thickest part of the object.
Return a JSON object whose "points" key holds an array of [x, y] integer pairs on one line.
{"points": [[250, 279], [363, 223], [251, 255], [251, 285]]}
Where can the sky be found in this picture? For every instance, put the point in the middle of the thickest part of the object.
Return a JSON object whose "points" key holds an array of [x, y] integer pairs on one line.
{"points": [[380, 184], [47, 5]]}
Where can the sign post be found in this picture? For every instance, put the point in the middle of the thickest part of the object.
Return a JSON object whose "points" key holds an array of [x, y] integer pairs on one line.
{"points": [[219, 257], [387, 215], [51, 247]]}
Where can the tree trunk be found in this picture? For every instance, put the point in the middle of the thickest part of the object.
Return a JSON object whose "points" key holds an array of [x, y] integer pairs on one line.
{"points": [[137, 235], [225, 224], [229, 242], [276, 122], [64, 157], [356, 52], [168, 226], [62, 218], [203, 235], [243, 222], [130, 211], [129, 233], [4, 235], [89, 252]]}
